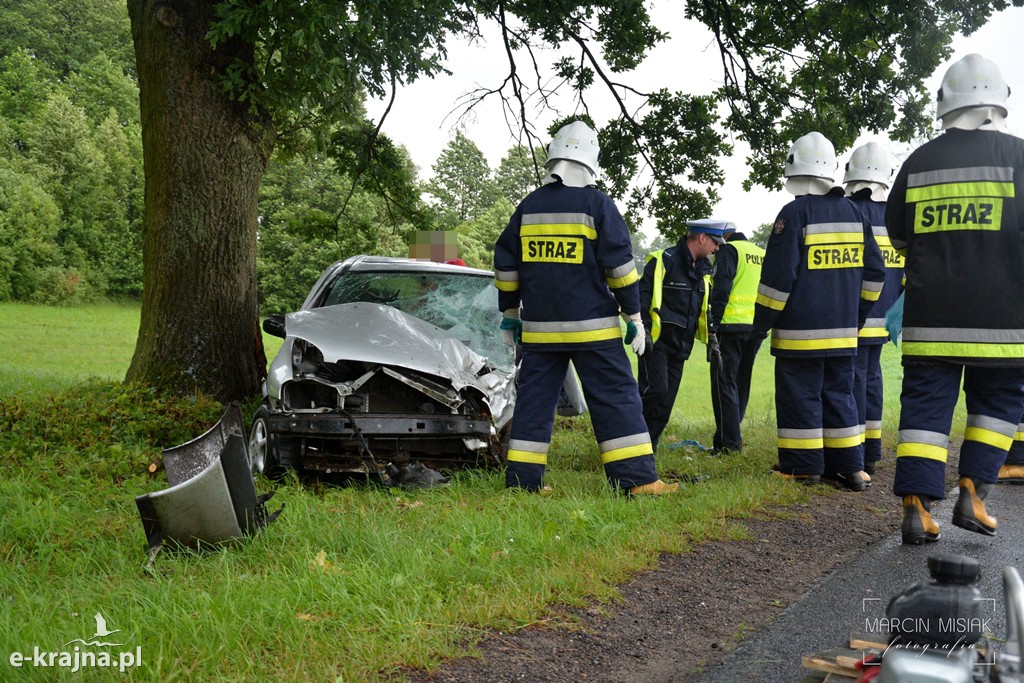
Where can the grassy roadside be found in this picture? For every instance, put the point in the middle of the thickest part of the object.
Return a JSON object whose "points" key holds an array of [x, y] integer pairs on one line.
{"points": [[348, 584]]}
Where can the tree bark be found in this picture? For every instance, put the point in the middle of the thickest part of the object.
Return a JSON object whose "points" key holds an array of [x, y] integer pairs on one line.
{"points": [[204, 156]]}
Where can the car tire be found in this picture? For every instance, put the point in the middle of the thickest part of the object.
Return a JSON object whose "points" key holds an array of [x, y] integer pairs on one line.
{"points": [[263, 453]]}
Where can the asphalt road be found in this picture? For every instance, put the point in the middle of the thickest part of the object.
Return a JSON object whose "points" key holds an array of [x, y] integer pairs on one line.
{"points": [[850, 598]]}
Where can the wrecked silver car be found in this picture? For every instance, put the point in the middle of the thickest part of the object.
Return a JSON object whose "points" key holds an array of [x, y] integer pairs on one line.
{"points": [[389, 362]]}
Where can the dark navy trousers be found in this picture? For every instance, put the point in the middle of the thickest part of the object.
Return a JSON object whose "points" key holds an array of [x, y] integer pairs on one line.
{"points": [[818, 429], [659, 372], [730, 386], [1016, 454], [615, 413], [995, 409], [867, 389]]}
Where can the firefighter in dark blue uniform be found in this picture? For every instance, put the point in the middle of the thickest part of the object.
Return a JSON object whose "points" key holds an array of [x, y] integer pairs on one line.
{"points": [[868, 175], [957, 209], [673, 303], [822, 272], [566, 259]]}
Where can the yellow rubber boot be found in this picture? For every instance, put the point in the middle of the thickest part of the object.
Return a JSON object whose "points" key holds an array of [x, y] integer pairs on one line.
{"points": [[918, 525], [970, 512], [655, 488], [1011, 474], [806, 479]]}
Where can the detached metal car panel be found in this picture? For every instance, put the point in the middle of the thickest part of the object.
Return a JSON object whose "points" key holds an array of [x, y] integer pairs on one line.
{"points": [[390, 361], [211, 497]]}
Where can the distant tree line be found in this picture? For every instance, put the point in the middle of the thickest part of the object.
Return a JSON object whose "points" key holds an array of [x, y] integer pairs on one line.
{"points": [[71, 181], [71, 176]]}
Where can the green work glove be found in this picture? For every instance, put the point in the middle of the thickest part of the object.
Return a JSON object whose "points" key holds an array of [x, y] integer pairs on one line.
{"points": [[511, 327], [633, 337]]}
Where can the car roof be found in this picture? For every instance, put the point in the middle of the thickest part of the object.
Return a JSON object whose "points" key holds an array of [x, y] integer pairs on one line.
{"points": [[365, 262]]}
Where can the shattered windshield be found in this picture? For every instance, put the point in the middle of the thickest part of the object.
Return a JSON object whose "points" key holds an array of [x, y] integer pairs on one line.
{"points": [[465, 305]]}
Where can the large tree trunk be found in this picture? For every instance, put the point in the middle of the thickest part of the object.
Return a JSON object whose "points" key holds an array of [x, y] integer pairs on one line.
{"points": [[204, 157]]}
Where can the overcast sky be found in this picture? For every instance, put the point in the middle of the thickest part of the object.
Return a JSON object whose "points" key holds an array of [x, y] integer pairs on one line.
{"points": [[422, 121]]}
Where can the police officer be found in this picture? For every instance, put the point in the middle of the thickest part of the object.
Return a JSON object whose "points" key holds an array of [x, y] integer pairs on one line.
{"points": [[957, 208], [565, 257], [822, 272], [737, 274], [673, 304], [868, 174]]}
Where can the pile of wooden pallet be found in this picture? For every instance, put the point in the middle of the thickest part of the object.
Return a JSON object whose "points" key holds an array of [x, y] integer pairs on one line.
{"points": [[839, 665]]}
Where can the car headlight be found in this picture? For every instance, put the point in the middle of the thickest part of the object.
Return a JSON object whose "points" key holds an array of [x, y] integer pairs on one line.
{"points": [[306, 358]]}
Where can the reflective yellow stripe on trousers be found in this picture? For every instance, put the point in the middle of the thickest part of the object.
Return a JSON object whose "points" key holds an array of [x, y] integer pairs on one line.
{"points": [[919, 443]]}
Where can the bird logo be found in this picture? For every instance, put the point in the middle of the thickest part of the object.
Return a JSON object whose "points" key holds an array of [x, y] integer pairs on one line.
{"points": [[101, 632]]}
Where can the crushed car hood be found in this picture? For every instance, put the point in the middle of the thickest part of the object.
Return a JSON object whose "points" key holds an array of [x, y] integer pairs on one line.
{"points": [[374, 333]]}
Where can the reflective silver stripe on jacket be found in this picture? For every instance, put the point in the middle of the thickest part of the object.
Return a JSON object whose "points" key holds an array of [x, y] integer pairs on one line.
{"points": [[558, 218], [621, 271], [570, 325], [969, 335], [960, 175], [871, 285], [772, 293], [816, 334], [827, 228]]}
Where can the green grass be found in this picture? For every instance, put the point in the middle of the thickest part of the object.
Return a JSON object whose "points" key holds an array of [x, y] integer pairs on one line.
{"points": [[50, 349], [348, 584]]}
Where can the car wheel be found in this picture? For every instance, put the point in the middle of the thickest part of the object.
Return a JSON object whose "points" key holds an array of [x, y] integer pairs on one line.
{"points": [[263, 455]]}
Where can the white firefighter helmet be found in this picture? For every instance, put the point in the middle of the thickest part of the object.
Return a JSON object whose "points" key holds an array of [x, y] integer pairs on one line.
{"points": [[972, 82], [813, 156], [871, 163], [577, 142]]}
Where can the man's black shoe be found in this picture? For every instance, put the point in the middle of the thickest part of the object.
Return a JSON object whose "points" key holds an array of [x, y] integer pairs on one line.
{"points": [[869, 467]]}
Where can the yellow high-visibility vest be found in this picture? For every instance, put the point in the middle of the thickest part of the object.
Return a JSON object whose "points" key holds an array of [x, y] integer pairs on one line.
{"points": [[740, 308], [659, 278]]}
